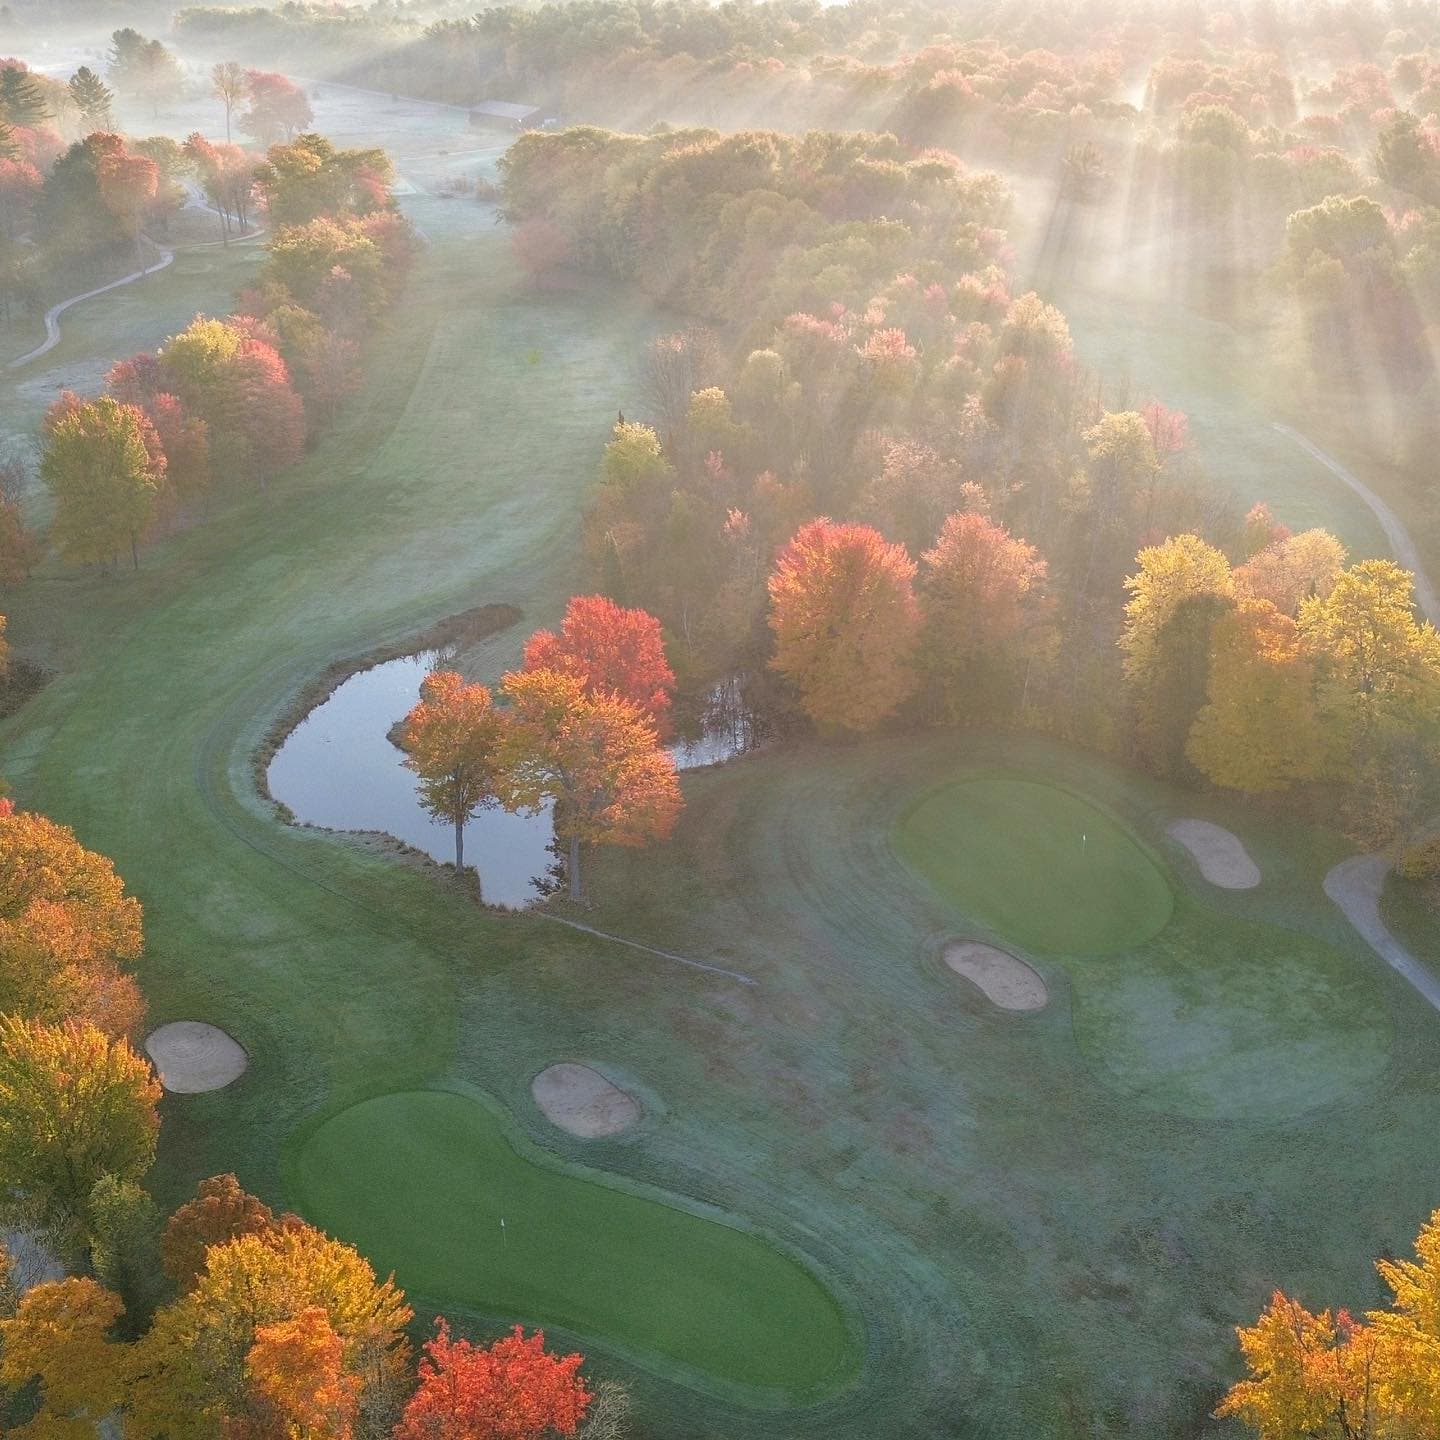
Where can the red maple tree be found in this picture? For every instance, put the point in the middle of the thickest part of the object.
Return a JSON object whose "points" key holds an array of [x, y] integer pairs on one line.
{"points": [[614, 651], [511, 1390]]}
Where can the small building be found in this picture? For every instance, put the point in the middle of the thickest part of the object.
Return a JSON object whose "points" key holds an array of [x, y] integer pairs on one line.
{"points": [[504, 114]]}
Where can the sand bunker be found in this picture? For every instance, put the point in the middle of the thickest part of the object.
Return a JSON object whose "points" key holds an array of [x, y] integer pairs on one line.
{"points": [[584, 1102], [191, 1057], [1005, 981], [1222, 858]]}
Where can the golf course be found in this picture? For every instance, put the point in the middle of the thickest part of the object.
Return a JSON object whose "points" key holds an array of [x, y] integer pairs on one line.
{"points": [[862, 1199]]}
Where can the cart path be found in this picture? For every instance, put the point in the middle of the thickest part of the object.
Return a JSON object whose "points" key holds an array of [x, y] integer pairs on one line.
{"points": [[1355, 885], [1399, 537]]}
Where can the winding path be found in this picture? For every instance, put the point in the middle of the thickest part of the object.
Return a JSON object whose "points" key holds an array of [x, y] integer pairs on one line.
{"points": [[53, 314], [1355, 885], [1401, 544]]}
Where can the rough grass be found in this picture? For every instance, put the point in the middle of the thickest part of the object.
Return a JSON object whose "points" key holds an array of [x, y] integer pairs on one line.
{"points": [[421, 1181], [1036, 865]]}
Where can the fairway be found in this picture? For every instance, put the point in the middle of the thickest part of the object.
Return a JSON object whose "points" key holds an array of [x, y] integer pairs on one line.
{"points": [[1036, 865], [420, 1182]]}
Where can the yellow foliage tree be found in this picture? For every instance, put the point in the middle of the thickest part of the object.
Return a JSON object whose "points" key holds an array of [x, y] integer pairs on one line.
{"points": [[196, 1369], [59, 1338], [1258, 731], [75, 1106], [1328, 1376]]}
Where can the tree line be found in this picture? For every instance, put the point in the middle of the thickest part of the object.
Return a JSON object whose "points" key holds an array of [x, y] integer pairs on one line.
{"points": [[861, 392], [227, 404]]}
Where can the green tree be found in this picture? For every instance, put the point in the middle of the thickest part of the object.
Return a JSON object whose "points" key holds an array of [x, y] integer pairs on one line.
{"points": [[125, 1226], [22, 100], [104, 477], [93, 99]]}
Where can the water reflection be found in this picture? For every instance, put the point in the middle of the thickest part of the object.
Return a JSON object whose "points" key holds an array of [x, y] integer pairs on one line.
{"points": [[338, 769]]}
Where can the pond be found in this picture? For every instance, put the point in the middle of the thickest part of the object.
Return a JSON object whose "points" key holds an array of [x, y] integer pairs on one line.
{"points": [[338, 769]]}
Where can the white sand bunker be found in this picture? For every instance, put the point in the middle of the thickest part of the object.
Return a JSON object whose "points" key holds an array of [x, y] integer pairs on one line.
{"points": [[584, 1102], [191, 1057], [1005, 981], [1221, 856]]}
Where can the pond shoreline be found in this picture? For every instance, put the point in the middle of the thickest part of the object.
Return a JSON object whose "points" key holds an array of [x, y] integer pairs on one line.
{"points": [[465, 627]]}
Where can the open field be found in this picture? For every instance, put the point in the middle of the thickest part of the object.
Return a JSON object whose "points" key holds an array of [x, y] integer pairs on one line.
{"points": [[1049, 1220]]}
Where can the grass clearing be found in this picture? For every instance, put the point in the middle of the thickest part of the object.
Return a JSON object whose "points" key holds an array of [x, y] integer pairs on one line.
{"points": [[1036, 865], [421, 1181]]}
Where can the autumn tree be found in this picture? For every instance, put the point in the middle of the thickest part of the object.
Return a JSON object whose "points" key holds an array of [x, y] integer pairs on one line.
{"points": [[1258, 731], [128, 186], [596, 757], [230, 85], [980, 591], [199, 1361], [59, 1340], [1166, 637], [453, 740], [1378, 693], [278, 107], [1332, 1376], [309, 177], [220, 1212], [299, 1389], [845, 621], [612, 650], [104, 467], [510, 1390], [240, 387], [66, 926], [75, 1106], [1291, 569]]}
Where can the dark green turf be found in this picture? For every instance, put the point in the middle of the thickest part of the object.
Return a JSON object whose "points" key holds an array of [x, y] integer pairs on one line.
{"points": [[420, 1181], [1036, 865]]}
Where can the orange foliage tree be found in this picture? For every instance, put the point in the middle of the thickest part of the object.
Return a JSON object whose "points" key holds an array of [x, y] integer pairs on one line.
{"points": [[66, 924], [980, 591], [596, 756], [843, 611], [58, 1338], [613, 650], [452, 741], [298, 1383], [220, 1212], [511, 1390]]}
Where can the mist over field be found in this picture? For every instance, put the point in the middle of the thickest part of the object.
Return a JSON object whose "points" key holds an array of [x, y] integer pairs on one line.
{"points": [[719, 721]]}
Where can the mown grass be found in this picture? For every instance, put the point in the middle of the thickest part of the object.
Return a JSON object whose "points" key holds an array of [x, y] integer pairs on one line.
{"points": [[1036, 865], [423, 1180]]}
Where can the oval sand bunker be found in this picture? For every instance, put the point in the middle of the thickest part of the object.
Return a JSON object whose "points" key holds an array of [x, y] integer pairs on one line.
{"points": [[584, 1102], [191, 1057], [1221, 856], [1005, 981]]}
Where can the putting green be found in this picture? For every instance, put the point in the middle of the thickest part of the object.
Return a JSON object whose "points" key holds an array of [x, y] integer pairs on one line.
{"points": [[420, 1180], [1037, 865]]}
